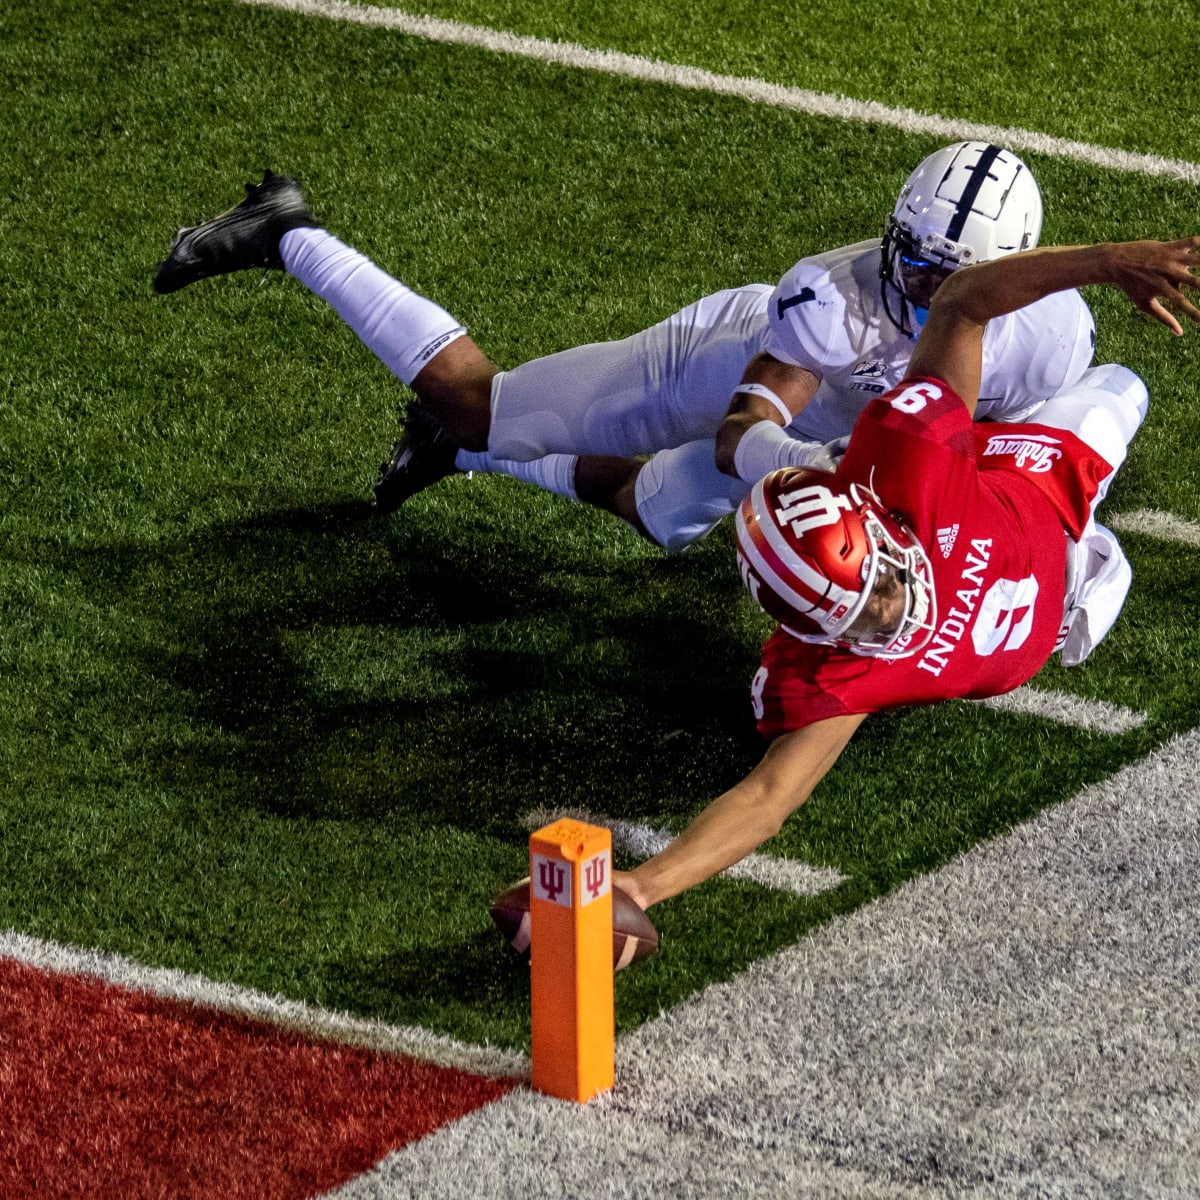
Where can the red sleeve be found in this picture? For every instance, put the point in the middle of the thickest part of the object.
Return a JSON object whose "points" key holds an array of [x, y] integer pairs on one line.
{"points": [[797, 684]]}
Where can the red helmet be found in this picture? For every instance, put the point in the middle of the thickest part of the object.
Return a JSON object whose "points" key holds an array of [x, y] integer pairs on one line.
{"points": [[824, 558]]}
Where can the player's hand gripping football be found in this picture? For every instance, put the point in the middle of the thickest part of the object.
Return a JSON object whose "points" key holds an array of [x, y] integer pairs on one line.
{"points": [[1154, 274]]}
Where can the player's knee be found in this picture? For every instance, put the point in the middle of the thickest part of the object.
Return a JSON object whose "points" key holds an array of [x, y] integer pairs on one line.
{"points": [[682, 497], [456, 386], [1119, 393], [1104, 409]]}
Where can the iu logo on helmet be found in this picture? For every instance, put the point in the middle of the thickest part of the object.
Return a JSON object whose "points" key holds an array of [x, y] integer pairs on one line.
{"points": [[810, 507]]}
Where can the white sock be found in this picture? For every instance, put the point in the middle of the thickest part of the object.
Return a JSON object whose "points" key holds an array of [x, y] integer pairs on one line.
{"points": [[554, 472], [403, 330]]}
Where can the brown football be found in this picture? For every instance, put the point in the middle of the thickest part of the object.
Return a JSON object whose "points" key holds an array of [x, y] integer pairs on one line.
{"points": [[634, 937]]}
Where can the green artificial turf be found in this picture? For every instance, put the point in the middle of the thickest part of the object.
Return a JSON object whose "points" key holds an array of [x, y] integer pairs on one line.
{"points": [[247, 728], [1100, 72]]}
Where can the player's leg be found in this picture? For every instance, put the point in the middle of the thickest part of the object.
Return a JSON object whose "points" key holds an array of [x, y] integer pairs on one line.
{"points": [[540, 415], [673, 499], [416, 339], [605, 401], [553, 472], [424, 454], [662, 387], [679, 496], [575, 422], [1104, 409], [609, 482]]}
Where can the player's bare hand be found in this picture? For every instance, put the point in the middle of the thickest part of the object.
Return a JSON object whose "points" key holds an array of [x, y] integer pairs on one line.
{"points": [[631, 885], [1154, 276]]}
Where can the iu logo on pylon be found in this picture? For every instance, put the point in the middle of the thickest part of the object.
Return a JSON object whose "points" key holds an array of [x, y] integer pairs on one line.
{"points": [[597, 878], [551, 880]]}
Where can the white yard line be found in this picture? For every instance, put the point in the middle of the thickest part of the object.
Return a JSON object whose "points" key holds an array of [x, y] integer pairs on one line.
{"points": [[822, 104], [294, 1015], [1096, 716], [1155, 524], [643, 841]]}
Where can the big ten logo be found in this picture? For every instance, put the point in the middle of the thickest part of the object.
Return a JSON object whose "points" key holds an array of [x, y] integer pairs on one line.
{"points": [[596, 878], [810, 507], [551, 880], [915, 397]]}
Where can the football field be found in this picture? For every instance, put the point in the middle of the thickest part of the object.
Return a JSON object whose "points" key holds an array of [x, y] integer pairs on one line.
{"points": [[252, 734]]}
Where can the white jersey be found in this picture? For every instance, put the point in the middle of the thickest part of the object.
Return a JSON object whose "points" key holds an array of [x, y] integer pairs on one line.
{"points": [[667, 389], [827, 316]]}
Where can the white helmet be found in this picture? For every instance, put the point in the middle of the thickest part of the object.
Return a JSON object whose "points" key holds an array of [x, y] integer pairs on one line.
{"points": [[967, 203]]}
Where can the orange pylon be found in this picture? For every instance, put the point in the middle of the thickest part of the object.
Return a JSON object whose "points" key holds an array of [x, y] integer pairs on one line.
{"points": [[571, 967]]}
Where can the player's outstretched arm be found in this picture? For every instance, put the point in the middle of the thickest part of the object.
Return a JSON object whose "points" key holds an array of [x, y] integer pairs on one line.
{"points": [[1153, 274], [740, 820]]}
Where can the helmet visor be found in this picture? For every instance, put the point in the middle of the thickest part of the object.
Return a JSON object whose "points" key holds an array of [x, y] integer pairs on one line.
{"points": [[911, 273], [920, 277]]}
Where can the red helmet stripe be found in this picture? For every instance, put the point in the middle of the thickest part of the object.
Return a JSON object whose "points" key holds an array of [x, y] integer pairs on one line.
{"points": [[789, 575], [773, 570]]}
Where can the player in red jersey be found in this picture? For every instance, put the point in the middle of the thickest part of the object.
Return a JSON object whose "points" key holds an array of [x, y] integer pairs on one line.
{"points": [[938, 562], [993, 583]]}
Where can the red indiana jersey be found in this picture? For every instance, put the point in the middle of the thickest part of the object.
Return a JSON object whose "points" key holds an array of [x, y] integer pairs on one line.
{"points": [[993, 505]]}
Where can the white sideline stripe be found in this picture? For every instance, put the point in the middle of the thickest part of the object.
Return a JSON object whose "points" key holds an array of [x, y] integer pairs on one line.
{"points": [[1021, 1021], [1097, 716], [1156, 524], [779, 874], [821, 104], [292, 1015]]}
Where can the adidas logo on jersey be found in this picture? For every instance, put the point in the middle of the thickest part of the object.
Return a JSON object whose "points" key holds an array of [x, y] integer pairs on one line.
{"points": [[946, 537]]}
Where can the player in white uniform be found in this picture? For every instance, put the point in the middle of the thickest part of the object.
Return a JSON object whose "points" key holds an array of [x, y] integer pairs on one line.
{"points": [[830, 337], [800, 361], [827, 321]]}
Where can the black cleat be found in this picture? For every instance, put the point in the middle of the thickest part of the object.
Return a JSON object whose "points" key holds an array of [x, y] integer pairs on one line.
{"points": [[246, 236], [421, 456]]}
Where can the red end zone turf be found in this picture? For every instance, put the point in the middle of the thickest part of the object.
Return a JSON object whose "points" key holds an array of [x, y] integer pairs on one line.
{"points": [[106, 1092]]}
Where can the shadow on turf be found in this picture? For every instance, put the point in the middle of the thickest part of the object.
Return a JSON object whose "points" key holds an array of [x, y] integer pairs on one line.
{"points": [[491, 675], [473, 976]]}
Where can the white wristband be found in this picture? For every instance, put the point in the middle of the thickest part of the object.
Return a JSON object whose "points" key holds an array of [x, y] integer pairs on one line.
{"points": [[761, 389]]}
